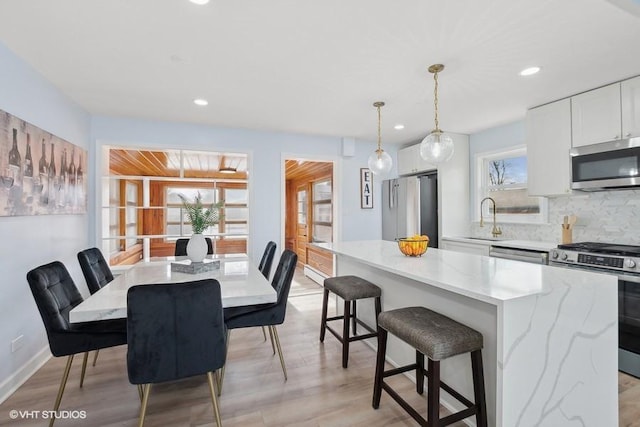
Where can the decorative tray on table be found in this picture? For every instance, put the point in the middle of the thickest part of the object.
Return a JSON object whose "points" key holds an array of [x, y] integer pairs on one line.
{"points": [[190, 267]]}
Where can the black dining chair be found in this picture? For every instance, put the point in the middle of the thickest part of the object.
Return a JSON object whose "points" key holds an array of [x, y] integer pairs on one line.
{"points": [[265, 268], [97, 273], [268, 315], [56, 294], [181, 247], [175, 331]]}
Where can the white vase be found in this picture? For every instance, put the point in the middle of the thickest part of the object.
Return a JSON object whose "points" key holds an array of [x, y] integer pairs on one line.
{"points": [[197, 248]]}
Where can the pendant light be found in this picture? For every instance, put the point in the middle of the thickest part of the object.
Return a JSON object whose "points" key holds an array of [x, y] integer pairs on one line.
{"points": [[437, 147], [379, 161]]}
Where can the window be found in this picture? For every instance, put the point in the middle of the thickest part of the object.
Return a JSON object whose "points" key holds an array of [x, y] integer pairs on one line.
{"points": [[503, 177], [322, 211]]}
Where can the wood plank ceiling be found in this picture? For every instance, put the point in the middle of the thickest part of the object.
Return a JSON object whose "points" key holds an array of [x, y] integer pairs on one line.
{"points": [[296, 170], [166, 163]]}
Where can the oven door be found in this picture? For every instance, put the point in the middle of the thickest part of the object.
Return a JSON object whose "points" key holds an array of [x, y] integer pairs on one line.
{"points": [[612, 164], [629, 327]]}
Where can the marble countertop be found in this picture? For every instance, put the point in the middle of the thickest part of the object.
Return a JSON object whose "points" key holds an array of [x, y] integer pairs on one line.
{"points": [[491, 280], [508, 243]]}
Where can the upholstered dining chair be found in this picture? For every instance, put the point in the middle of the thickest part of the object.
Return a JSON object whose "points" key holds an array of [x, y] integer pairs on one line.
{"points": [[96, 273], [268, 315], [56, 294], [175, 331], [265, 268], [181, 247]]}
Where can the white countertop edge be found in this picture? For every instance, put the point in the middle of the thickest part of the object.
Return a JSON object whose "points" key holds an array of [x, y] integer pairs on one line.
{"points": [[536, 275], [533, 245]]}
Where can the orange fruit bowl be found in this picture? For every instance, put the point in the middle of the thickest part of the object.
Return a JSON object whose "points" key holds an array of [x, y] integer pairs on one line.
{"points": [[412, 246]]}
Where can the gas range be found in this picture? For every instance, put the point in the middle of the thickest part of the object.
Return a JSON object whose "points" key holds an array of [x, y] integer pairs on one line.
{"points": [[607, 257]]}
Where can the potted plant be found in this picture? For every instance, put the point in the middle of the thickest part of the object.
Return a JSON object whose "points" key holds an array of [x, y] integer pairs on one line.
{"points": [[201, 217]]}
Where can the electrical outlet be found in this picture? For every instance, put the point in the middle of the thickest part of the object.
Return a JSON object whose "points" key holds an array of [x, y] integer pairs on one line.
{"points": [[16, 344]]}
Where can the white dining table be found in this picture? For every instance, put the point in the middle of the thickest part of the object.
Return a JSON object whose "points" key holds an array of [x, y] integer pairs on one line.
{"points": [[241, 283]]}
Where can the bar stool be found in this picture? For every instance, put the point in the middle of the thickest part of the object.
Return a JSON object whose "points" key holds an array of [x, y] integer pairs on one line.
{"points": [[438, 337], [350, 289]]}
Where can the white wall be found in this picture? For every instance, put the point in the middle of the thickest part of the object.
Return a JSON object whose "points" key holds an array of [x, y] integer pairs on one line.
{"points": [[29, 241], [266, 150]]}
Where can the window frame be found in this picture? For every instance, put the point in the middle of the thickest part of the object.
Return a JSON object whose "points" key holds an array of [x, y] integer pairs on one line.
{"points": [[482, 185]]}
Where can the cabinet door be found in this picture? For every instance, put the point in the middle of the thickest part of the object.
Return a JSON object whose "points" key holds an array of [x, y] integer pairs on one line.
{"points": [[469, 248], [408, 160], [596, 116], [631, 107], [548, 136]]}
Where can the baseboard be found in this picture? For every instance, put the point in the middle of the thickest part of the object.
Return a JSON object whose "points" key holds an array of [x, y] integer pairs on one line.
{"points": [[314, 275], [11, 384]]}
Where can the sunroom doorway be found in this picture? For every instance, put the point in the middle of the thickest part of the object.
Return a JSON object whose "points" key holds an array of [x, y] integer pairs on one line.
{"points": [[142, 214], [309, 218]]}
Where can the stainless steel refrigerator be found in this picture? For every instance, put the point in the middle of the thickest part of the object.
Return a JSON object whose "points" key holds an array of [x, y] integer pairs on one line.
{"points": [[410, 206]]}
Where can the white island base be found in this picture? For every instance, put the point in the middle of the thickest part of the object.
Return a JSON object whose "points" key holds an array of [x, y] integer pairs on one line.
{"points": [[550, 334]]}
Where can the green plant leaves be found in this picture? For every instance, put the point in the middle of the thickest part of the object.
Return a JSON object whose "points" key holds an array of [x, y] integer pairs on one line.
{"points": [[201, 217]]}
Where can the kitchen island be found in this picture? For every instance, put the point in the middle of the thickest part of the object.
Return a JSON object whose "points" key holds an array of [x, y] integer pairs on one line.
{"points": [[550, 333]]}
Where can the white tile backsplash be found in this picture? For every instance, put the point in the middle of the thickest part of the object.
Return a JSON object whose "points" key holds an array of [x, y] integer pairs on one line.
{"points": [[603, 216]]}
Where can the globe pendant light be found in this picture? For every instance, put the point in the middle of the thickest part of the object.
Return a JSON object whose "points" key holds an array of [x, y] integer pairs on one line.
{"points": [[437, 147], [379, 162]]}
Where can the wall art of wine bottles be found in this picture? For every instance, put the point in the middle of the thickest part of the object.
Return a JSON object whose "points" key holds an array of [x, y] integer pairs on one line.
{"points": [[40, 173]]}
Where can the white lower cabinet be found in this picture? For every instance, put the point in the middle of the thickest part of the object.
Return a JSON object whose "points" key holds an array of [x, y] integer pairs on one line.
{"points": [[480, 248]]}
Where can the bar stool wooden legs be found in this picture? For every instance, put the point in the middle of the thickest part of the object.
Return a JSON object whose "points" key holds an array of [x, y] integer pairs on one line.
{"points": [[350, 289], [438, 337]]}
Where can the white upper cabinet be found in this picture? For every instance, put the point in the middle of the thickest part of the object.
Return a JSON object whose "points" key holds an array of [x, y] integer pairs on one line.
{"points": [[410, 162], [630, 90], [548, 136], [596, 116]]}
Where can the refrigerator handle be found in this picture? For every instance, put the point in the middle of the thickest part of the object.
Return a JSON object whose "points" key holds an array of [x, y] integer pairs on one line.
{"points": [[392, 193]]}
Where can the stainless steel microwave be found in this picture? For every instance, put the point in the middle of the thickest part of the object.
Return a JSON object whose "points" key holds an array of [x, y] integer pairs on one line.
{"points": [[606, 166]]}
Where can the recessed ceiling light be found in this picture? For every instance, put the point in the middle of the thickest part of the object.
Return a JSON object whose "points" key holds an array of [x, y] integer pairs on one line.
{"points": [[529, 71], [199, 1], [399, 126], [201, 102]]}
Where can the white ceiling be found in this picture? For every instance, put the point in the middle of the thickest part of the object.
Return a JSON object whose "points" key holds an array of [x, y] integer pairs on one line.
{"points": [[316, 66]]}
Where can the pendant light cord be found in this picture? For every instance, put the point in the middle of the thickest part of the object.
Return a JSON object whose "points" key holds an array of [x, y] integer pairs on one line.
{"points": [[379, 132], [435, 99]]}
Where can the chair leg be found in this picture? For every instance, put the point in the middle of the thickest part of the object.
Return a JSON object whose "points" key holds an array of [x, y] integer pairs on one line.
{"points": [[95, 357], [275, 335], [433, 392], [377, 382], [84, 367], [63, 383], [226, 352], [143, 407], [478, 388], [419, 372], [353, 318], [214, 399], [345, 334], [323, 321], [140, 392], [264, 334], [273, 347]]}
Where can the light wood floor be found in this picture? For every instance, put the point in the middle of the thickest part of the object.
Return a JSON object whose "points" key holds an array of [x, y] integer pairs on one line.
{"points": [[319, 391]]}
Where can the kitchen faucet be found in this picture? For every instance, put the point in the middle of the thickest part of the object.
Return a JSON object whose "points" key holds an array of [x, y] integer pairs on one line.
{"points": [[495, 231]]}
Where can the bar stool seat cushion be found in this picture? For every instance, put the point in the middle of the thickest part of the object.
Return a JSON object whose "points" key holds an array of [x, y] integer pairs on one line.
{"points": [[351, 288], [433, 334]]}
